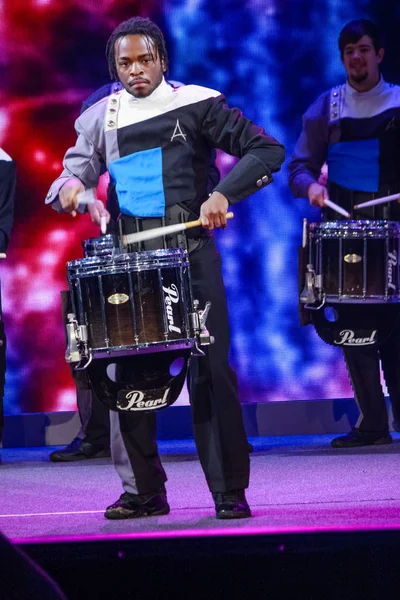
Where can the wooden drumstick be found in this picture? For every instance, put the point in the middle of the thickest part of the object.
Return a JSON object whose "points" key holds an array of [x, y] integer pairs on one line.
{"points": [[378, 201], [3, 255], [141, 236], [304, 238], [86, 197], [337, 208]]}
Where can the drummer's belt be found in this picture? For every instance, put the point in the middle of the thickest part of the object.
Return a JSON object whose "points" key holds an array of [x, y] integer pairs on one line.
{"points": [[176, 213], [347, 199]]}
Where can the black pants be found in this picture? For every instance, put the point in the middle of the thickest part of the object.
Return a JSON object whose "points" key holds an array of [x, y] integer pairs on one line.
{"points": [[94, 415], [363, 365], [217, 418]]}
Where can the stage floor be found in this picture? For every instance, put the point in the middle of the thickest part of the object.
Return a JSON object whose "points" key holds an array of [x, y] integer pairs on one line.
{"points": [[298, 484]]}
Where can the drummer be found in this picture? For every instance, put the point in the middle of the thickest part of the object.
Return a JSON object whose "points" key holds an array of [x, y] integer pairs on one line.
{"points": [[156, 142], [355, 129]]}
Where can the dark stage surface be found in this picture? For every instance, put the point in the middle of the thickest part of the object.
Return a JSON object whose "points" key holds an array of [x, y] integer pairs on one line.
{"points": [[321, 516]]}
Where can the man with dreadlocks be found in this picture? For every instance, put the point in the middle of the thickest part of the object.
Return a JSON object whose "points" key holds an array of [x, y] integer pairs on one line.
{"points": [[156, 142]]}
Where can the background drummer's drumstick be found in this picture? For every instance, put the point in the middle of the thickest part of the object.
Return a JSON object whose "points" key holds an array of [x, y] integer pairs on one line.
{"points": [[337, 208], [141, 236], [378, 201], [103, 224]]}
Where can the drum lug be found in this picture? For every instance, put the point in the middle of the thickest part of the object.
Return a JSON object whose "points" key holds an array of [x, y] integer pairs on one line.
{"points": [[312, 291], [77, 341], [199, 318], [313, 284]]}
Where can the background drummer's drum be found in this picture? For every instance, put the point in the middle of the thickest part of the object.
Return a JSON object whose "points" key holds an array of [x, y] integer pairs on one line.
{"points": [[357, 260], [133, 303]]}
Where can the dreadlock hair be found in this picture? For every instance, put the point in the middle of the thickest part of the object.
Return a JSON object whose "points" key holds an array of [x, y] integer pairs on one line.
{"points": [[136, 26], [355, 30]]}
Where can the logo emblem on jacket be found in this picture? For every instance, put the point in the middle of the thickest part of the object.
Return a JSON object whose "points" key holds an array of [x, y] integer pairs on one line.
{"points": [[391, 124], [178, 132]]}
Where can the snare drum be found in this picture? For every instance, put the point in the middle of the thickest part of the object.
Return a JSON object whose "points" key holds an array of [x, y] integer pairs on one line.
{"points": [[356, 261], [102, 246], [134, 302]]}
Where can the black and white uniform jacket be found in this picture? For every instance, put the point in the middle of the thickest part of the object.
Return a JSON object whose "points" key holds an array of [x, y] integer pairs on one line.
{"points": [[157, 149]]}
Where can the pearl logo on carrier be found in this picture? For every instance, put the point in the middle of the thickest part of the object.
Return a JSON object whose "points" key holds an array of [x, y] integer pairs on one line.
{"points": [[135, 400], [171, 297], [392, 262], [348, 338]]}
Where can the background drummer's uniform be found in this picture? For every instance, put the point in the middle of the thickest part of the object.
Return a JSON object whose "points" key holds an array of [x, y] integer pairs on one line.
{"points": [[7, 190], [157, 150], [358, 135]]}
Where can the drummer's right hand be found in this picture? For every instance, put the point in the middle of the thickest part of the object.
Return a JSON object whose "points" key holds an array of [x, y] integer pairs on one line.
{"points": [[69, 194], [317, 194], [97, 210]]}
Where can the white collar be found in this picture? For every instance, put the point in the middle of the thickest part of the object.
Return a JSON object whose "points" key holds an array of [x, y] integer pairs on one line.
{"points": [[375, 91], [161, 92]]}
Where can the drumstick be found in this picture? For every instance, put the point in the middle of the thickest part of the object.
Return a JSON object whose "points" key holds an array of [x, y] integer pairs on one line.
{"points": [[304, 239], [86, 197], [103, 224], [378, 201], [337, 208], [141, 236], [3, 255]]}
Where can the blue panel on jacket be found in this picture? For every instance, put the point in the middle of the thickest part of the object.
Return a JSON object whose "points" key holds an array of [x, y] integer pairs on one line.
{"points": [[355, 165], [139, 183]]}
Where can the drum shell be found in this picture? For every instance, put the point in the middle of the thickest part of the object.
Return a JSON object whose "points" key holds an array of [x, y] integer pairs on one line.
{"points": [[358, 261], [132, 303]]}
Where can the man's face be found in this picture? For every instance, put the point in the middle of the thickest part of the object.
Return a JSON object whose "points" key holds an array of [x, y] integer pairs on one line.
{"points": [[362, 62], [138, 65]]}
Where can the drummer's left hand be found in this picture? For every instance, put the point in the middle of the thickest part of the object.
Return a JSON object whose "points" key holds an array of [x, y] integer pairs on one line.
{"points": [[97, 210], [213, 211]]}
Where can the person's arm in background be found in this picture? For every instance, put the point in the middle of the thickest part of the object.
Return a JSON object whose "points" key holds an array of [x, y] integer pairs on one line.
{"points": [[8, 174], [310, 154]]}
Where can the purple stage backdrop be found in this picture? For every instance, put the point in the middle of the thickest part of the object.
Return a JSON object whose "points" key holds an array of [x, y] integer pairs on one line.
{"points": [[271, 58]]}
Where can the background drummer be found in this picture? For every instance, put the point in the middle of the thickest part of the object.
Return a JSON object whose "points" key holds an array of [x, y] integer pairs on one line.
{"points": [[149, 126], [355, 129]]}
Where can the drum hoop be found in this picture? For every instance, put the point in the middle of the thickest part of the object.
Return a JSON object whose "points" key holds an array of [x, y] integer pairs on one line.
{"points": [[144, 348], [355, 229], [134, 261]]}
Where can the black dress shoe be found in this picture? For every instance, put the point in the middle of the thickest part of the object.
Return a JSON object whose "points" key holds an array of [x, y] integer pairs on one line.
{"points": [[134, 506], [79, 450], [231, 505], [356, 439]]}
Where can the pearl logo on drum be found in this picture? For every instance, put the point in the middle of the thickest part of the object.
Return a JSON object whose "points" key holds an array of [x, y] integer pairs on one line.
{"points": [[392, 262], [136, 400], [171, 297], [348, 338], [118, 298]]}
